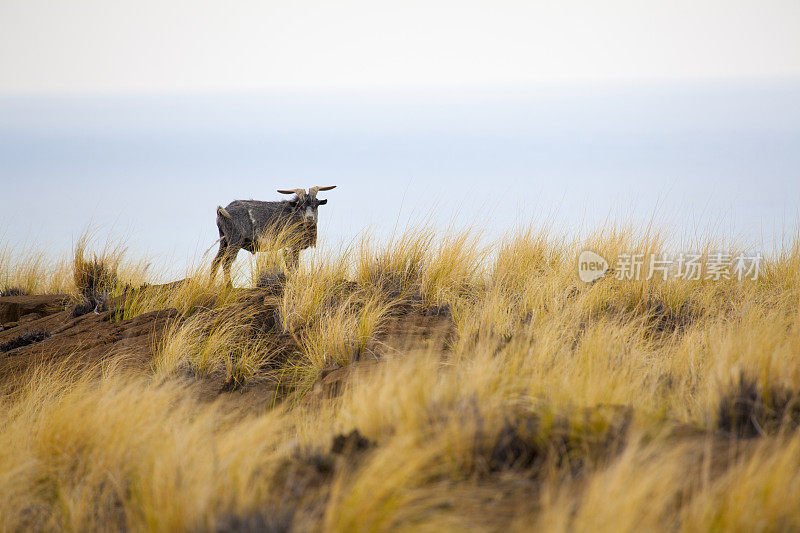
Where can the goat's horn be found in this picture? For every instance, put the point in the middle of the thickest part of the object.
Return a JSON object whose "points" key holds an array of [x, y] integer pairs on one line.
{"points": [[299, 192], [314, 190]]}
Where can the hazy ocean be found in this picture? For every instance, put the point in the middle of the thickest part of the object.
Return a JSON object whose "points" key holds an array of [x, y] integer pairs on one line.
{"points": [[693, 158]]}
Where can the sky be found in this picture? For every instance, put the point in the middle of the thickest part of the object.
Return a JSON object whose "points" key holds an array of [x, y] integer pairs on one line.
{"points": [[140, 117], [97, 46]]}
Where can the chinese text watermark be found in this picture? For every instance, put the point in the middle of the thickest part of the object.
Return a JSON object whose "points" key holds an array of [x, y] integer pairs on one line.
{"points": [[686, 266]]}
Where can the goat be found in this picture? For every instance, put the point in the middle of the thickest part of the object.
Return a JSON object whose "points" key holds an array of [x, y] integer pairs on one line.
{"points": [[244, 224]]}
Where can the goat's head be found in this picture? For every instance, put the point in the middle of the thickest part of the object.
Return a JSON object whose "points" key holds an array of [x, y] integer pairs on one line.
{"points": [[307, 203]]}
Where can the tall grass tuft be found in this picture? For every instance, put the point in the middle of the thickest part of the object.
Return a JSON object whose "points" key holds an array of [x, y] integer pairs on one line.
{"points": [[95, 275]]}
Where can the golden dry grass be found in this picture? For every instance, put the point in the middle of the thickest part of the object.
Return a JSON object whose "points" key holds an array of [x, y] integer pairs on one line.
{"points": [[88, 269], [612, 406]]}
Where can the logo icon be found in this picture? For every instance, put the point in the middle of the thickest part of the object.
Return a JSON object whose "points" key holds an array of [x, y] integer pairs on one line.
{"points": [[591, 266]]}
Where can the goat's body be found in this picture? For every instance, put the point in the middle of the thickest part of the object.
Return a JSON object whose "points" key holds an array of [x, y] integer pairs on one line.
{"points": [[251, 220], [244, 224]]}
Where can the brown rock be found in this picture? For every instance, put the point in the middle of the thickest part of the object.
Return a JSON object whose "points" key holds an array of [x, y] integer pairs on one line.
{"points": [[13, 308]]}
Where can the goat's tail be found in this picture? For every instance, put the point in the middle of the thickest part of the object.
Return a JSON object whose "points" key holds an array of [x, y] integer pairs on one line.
{"points": [[221, 213]]}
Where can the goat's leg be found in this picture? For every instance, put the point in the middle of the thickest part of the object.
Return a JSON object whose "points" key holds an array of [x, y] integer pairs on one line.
{"points": [[285, 254], [292, 259], [217, 259], [227, 261]]}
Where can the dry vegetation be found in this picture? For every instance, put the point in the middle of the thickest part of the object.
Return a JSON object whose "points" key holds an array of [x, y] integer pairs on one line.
{"points": [[435, 382]]}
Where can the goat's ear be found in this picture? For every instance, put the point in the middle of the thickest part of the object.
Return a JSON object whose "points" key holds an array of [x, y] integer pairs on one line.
{"points": [[323, 202]]}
